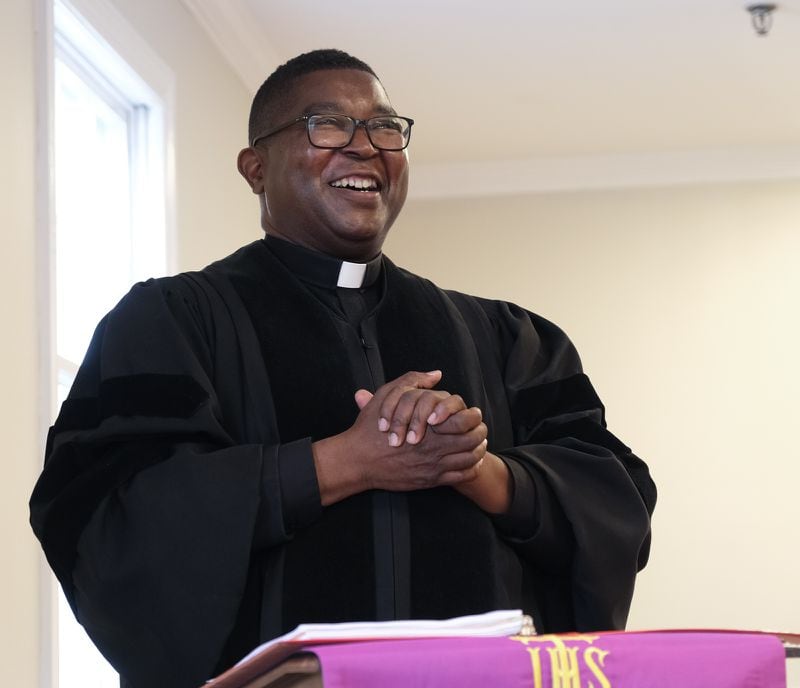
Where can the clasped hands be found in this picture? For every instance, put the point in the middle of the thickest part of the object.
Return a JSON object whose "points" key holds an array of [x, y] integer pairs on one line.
{"points": [[408, 436], [425, 437]]}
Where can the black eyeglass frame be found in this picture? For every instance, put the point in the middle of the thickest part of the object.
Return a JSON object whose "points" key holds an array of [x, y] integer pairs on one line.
{"points": [[356, 124]]}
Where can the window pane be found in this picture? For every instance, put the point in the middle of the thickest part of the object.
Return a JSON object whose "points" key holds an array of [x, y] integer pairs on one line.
{"points": [[110, 158], [93, 209], [80, 665], [93, 270], [65, 373]]}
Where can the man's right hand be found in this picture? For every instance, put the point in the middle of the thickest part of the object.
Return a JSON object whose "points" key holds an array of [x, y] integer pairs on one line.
{"points": [[361, 458]]}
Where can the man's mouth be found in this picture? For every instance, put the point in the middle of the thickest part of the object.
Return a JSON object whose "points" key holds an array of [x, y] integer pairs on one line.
{"points": [[356, 184]]}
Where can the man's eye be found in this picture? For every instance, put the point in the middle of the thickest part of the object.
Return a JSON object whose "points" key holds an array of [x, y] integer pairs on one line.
{"points": [[389, 123], [329, 121]]}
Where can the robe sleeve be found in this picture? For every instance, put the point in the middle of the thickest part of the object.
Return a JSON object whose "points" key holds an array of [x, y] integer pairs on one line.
{"points": [[595, 497], [150, 506], [535, 521]]}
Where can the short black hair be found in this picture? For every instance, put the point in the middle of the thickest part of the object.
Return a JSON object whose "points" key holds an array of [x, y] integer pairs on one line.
{"points": [[280, 81]]}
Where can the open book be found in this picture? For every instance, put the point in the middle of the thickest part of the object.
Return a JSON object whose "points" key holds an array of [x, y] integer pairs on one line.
{"points": [[492, 624]]}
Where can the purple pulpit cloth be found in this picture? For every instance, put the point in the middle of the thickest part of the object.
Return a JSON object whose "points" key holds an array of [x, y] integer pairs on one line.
{"points": [[611, 660]]}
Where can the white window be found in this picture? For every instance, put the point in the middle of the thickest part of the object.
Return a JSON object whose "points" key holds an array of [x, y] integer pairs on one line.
{"points": [[110, 216]]}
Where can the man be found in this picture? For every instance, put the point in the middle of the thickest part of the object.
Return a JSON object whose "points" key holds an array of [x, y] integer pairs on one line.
{"points": [[304, 432]]}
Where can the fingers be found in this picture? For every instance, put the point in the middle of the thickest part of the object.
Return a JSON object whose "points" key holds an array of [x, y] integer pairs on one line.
{"points": [[460, 422], [462, 467], [408, 407], [458, 444], [445, 408], [433, 409], [393, 390], [409, 419], [398, 400], [389, 394]]}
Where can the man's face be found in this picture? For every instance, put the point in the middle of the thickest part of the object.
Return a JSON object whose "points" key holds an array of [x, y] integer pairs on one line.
{"points": [[306, 201]]}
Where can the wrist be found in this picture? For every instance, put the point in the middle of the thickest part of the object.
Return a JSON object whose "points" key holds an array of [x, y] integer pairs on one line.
{"points": [[338, 472], [490, 489]]}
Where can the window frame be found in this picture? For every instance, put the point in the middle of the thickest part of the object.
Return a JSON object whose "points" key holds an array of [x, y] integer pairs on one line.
{"points": [[141, 75]]}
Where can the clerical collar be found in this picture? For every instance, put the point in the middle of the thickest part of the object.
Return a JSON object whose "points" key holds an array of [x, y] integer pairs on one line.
{"points": [[324, 270]]}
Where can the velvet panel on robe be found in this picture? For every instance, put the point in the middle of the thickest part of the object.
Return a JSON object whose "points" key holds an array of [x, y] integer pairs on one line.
{"points": [[159, 460]]}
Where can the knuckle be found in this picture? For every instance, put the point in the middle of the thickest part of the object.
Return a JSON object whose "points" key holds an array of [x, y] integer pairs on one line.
{"points": [[411, 394], [435, 397], [461, 423], [413, 378]]}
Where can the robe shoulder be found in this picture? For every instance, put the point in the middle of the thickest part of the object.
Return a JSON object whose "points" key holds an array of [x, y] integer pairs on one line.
{"points": [[145, 473]]}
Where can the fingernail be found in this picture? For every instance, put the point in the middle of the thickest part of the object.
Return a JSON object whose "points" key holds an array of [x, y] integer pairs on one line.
{"points": [[394, 440], [433, 372], [383, 424], [432, 418], [411, 437]]}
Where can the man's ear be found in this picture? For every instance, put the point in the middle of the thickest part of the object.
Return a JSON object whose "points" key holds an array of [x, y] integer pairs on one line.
{"points": [[251, 168]]}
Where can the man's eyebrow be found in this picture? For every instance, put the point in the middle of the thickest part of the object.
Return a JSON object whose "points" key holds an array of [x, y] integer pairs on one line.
{"points": [[321, 107], [312, 108]]}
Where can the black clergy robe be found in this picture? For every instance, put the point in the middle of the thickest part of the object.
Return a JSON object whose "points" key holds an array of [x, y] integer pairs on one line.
{"points": [[179, 506]]}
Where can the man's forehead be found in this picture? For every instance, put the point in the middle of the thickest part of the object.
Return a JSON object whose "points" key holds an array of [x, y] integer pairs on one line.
{"points": [[323, 106], [336, 91]]}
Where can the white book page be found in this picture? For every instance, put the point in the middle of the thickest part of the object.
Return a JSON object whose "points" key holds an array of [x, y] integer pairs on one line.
{"points": [[502, 622]]}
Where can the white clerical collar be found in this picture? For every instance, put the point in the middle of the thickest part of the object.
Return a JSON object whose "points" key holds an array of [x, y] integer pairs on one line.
{"points": [[351, 275], [324, 270]]}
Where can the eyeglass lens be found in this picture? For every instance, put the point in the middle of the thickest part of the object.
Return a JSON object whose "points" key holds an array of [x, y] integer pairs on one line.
{"points": [[336, 131]]}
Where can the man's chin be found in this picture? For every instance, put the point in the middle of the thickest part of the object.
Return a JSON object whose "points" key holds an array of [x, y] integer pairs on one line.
{"points": [[358, 243]]}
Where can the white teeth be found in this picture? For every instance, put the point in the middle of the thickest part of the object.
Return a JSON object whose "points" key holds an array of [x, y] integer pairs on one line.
{"points": [[355, 183]]}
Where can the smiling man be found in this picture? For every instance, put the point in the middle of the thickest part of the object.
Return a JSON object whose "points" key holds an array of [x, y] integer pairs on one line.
{"points": [[304, 432], [337, 199]]}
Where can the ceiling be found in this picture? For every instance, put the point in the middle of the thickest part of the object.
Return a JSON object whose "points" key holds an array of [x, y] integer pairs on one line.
{"points": [[531, 95]]}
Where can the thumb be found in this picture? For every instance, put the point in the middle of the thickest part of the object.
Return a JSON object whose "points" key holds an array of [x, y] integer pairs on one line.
{"points": [[363, 397]]}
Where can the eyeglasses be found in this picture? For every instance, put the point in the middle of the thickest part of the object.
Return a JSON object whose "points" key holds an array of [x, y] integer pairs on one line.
{"points": [[387, 132]]}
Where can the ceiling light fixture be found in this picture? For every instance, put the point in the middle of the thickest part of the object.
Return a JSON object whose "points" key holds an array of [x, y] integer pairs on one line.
{"points": [[761, 17]]}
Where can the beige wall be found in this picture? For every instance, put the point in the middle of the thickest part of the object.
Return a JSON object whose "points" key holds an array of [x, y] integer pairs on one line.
{"points": [[19, 626], [685, 305], [215, 213]]}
